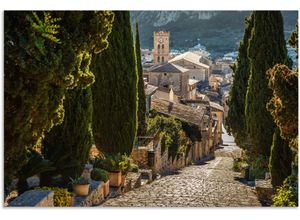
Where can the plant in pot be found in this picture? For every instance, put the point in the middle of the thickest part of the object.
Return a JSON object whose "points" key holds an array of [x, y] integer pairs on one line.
{"points": [[80, 186], [126, 165], [111, 164], [101, 175]]}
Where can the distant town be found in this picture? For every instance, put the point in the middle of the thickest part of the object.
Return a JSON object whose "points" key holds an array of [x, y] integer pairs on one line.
{"points": [[191, 75]]}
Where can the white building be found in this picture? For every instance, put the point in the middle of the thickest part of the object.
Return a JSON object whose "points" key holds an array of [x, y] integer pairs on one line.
{"points": [[192, 61]]}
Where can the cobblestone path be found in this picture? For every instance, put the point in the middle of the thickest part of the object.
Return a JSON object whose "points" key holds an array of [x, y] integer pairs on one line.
{"points": [[212, 184], [209, 185]]}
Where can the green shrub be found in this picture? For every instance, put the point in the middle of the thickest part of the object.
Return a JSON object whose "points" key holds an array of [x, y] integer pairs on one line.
{"points": [[62, 198], [126, 164], [99, 175], [259, 164], [79, 181], [258, 167], [287, 194], [115, 162]]}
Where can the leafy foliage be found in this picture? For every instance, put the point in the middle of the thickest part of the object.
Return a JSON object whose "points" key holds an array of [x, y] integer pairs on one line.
{"points": [[237, 93], [79, 181], [115, 162], [175, 134], [46, 29], [62, 198], [45, 54], [287, 194], [115, 90], [266, 48], [99, 174], [284, 103]]}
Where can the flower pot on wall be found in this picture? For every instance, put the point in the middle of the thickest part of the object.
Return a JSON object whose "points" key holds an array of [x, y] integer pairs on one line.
{"points": [[115, 178], [81, 190], [106, 188]]}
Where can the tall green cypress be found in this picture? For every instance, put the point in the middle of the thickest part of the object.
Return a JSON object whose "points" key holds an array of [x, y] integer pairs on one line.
{"points": [[266, 48], [141, 92], [68, 145], [115, 90], [236, 121], [280, 159]]}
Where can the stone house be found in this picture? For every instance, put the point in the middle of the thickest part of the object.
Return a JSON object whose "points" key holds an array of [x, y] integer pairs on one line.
{"points": [[218, 111], [149, 92], [194, 63], [167, 76], [216, 114]]}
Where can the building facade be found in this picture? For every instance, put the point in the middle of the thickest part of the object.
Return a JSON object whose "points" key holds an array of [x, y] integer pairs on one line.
{"points": [[167, 76], [192, 61]]}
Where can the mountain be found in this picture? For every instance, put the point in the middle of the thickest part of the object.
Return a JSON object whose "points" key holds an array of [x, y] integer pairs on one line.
{"points": [[219, 31]]}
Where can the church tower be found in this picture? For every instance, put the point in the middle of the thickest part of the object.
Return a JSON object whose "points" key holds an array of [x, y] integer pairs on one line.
{"points": [[161, 46]]}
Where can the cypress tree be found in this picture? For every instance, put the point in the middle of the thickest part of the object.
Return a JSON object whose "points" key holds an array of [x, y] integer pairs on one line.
{"points": [[45, 54], [280, 159], [115, 90], [235, 121], [68, 145], [266, 48], [141, 92]]}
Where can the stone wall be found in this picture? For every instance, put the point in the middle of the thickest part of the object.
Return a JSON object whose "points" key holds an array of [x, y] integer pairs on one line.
{"points": [[164, 164], [140, 157], [95, 196], [34, 198]]}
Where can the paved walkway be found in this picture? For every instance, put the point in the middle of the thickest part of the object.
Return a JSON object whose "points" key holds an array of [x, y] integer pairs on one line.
{"points": [[212, 184]]}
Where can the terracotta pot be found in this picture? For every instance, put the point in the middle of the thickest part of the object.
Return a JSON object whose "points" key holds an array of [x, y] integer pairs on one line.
{"points": [[123, 180], [106, 188], [115, 178], [81, 190]]}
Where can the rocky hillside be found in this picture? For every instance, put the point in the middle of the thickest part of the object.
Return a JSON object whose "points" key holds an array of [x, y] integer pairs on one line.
{"points": [[219, 31]]}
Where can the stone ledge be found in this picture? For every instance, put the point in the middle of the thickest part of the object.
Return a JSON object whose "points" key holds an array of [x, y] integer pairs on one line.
{"points": [[264, 190], [132, 180], [95, 196], [34, 198]]}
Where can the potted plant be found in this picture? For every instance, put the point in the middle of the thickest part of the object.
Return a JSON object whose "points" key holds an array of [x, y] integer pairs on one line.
{"points": [[126, 164], [111, 164], [80, 186], [101, 175]]}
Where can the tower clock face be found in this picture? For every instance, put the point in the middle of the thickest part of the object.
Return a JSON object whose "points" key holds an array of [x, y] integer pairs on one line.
{"points": [[160, 40]]}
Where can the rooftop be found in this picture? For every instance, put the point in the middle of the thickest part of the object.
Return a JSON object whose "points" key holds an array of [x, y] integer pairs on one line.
{"points": [[180, 111], [216, 106], [149, 89], [168, 68], [191, 57]]}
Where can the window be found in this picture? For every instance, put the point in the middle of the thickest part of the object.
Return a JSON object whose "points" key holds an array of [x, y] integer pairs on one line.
{"points": [[158, 47], [162, 59], [163, 46], [194, 77], [165, 74], [158, 59]]}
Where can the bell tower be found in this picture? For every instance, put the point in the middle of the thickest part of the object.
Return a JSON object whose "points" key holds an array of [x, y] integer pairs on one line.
{"points": [[161, 41]]}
